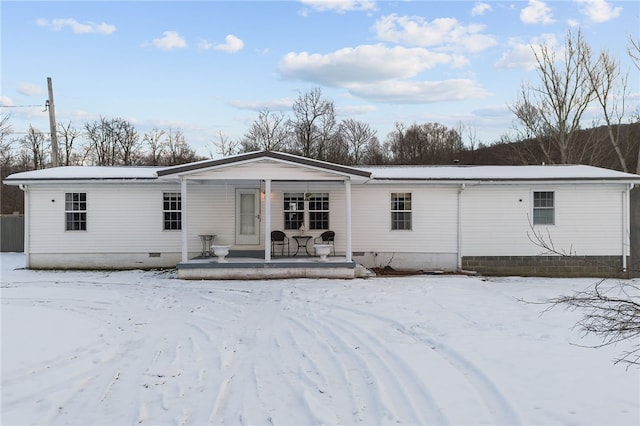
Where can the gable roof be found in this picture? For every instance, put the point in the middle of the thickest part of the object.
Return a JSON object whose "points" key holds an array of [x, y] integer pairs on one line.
{"points": [[258, 155]]}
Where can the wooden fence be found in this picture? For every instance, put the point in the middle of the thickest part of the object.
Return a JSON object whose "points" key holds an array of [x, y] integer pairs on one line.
{"points": [[12, 233]]}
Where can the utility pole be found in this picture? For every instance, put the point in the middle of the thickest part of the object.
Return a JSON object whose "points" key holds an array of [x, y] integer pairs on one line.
{"points": [[52, 125]]}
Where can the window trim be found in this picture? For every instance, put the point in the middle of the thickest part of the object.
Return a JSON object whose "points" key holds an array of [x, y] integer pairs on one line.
{"points": [[174, 197], [321, 196], [405, 211], [305, 199], [82, 219], [298, 197], [535, 208]]}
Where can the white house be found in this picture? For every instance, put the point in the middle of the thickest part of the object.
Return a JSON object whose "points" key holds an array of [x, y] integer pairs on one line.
{"points": [[449, 218]]}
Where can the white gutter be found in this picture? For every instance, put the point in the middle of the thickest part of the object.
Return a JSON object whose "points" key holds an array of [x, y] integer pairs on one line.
{"points": [[459, 220], [626, 225], [27, 225]]}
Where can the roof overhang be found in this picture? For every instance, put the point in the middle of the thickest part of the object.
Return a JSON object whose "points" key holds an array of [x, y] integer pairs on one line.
{"points": [[264, 165]]}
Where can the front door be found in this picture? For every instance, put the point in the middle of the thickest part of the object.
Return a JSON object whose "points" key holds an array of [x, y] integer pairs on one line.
{"points": [[248, 216]]}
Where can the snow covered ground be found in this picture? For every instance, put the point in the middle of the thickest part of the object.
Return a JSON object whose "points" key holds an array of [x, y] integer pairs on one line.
{"points": [[141, 347]]}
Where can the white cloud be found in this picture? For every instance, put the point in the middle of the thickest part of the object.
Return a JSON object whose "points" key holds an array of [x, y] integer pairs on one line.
{"points": [[340, 6], [77, 27], [30, 89], [169, 41], [363, 63], [232, 44], [414, 92], [381, 73], [444, 33], [599, 10], [479, 9], [521, 55], [537, 12]]}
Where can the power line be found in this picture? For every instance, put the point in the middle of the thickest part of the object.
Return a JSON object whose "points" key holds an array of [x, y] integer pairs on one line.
{"points": [[19, 106]]}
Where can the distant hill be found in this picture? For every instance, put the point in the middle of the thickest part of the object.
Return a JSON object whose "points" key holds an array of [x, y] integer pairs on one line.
{"points": [[593, 148]]}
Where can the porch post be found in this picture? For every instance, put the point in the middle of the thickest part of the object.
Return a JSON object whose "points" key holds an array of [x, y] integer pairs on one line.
{"points": [[267, 220], [347, 218], [183, 219]]}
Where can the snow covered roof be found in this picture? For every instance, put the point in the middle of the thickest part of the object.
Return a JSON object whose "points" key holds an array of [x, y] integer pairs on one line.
{"points": [[498, 173], [86, 173], [377, 173]]}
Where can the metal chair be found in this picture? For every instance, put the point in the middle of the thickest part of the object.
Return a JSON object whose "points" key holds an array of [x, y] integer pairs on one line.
{"points": [[279, 238], [327, 237]]}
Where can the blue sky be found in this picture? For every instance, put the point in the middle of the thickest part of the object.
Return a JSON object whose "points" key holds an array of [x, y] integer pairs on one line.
{"points": [[208, 67]]}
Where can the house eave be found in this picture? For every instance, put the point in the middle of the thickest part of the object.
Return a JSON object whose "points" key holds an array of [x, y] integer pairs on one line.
{"points": [[187, 169]]}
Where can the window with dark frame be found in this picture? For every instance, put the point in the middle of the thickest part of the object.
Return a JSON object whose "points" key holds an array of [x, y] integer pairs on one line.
{"points": [[75, 210], [172, 211], [319, 211], [543, 208], [293, 210], [401, 211]]}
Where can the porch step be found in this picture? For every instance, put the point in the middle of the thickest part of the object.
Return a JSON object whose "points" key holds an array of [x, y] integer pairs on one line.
{"points": [[362, 272]]}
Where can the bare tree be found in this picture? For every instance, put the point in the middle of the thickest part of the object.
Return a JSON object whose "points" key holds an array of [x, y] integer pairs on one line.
{"points": [[610, 309], [269, 132], [178, 150], [314, 123], [156, 143], [66, 137], [112, 141], [6, 149], [610, 89], [357, 136], [127, 141], [552, 110], [34, 150], [226, 146]]}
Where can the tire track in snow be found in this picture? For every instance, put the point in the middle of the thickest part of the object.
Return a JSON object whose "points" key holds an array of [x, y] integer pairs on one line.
{"points": [[485, 388], [391, 382]]}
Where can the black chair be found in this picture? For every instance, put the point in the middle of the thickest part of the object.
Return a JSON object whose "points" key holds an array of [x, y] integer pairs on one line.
{"points": [[279, 238], [327, 237]]}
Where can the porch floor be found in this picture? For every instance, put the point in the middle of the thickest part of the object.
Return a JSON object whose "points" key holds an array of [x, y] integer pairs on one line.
{"points": [[280, 267]]}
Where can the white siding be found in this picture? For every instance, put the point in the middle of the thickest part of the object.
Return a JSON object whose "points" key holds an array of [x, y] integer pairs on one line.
{"points": [[496, 220], [434, 222], [120, 218]]}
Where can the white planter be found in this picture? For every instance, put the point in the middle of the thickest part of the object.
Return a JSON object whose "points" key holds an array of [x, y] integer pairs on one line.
{"points": [[221, 252], [323, 251]]}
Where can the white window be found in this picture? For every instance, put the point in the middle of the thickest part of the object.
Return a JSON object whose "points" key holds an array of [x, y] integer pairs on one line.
{"points": [[314, 206], [401, 210], [319, 210], [293, 210], [543, 208], [75, 211], [172, 210]]}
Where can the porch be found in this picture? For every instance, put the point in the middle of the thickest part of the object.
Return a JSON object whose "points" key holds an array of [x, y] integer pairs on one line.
{"points": [[237, 202], [251, 268]]}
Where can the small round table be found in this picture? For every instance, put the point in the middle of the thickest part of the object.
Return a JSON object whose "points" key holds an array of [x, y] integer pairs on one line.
{"points": [[206, 245], [302, 241]]}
